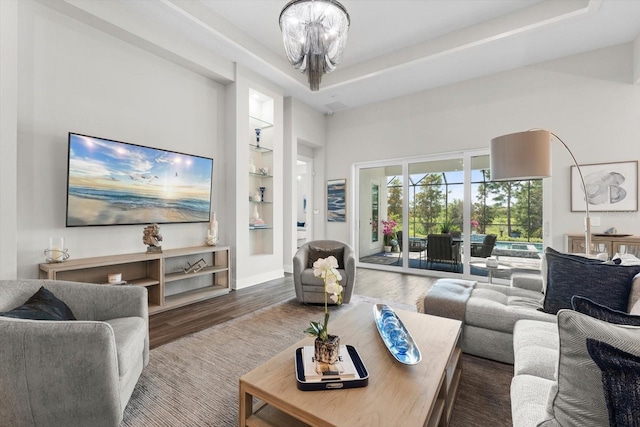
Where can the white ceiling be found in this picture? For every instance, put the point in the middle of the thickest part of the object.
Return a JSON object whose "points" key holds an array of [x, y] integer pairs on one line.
{"points": [[397, 47]]}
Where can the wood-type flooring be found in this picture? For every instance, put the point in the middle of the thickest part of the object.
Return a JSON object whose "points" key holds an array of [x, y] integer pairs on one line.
{"points": [[171, 325]]}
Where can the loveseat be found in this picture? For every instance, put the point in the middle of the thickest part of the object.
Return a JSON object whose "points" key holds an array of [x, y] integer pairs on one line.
{"points": [[71, 372]]}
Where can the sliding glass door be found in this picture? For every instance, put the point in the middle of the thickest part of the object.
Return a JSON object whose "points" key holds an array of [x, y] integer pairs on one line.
{"points": [[441, 215]]}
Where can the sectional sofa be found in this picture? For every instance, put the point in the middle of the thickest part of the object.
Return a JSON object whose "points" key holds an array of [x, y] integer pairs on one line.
{"points": [[532, 324]]}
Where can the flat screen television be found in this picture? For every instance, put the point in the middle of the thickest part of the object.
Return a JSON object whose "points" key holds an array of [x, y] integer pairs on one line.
{"points": [[117, 183]]}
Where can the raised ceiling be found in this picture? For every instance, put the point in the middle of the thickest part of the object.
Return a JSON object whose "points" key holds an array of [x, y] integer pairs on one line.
{"points": [[395, 47]]}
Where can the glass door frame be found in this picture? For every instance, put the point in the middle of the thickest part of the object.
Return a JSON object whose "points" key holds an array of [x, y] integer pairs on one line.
{"points": [[466, 156]]}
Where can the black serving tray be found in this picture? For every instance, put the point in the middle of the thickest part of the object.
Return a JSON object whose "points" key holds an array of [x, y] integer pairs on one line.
{"points": [[332, 384]]}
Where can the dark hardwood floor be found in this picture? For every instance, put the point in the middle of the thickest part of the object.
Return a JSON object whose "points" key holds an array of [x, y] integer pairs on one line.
{"points": [[171, 325]]}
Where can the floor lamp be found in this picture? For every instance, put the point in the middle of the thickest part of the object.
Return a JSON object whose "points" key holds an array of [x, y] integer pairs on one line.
{"points": [[527, 155]]}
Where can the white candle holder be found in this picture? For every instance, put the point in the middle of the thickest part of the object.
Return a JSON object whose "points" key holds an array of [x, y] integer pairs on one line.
{"points": [[56, 252]]}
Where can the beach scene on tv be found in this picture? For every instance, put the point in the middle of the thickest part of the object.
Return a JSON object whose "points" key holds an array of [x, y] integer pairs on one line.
{"points": [[115, 183]]}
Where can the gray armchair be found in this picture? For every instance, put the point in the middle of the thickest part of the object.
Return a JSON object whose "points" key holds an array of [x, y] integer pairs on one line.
{"points": [[310, 289], [72, 373]]}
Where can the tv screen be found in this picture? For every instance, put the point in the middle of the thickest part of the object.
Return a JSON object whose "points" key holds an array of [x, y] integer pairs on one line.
{"points": [[117, 183]]}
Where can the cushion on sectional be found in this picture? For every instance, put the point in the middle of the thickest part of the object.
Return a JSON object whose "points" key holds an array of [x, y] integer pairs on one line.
{"points": [[570, 275], [620, 382], [317, 253], [579, 398], [43, 305], [586, 306]]}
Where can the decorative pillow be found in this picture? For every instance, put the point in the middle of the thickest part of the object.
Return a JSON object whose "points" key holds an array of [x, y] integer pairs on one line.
{"points": [[586, 306], [43, 305], [620, 381], [317, 253], [570, 275], [578, 398]]}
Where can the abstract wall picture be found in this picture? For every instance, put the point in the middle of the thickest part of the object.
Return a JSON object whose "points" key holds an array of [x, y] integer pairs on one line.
{"points": [[609, 187], [336, 200]]}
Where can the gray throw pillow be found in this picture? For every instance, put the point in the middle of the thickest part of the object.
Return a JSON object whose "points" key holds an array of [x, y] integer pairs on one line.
{"points": [[569, 275], [578, 398], [316, 253]]}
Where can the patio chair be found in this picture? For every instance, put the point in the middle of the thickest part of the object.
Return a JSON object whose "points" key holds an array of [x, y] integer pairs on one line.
{"points": [[484, 249], [415, 245], [441, 249]]}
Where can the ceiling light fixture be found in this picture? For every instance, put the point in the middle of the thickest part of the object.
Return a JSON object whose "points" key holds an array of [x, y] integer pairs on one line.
{"points": [[315, 35]]}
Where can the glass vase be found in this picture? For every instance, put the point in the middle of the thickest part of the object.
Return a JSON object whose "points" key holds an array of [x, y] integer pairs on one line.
{"points": [[327, 351]]}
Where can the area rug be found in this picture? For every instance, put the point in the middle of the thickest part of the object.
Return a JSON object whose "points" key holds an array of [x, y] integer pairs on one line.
{"points": [[194, 381]]}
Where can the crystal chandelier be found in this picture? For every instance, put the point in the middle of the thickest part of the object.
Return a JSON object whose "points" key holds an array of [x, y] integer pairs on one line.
{"points": [[314, 34]]}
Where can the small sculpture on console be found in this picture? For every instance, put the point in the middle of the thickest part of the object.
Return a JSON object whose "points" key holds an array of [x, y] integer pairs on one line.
{"points": [[152, 238]]}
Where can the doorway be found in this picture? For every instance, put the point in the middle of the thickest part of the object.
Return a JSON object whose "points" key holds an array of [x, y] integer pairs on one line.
{"points": [[304, 195]]}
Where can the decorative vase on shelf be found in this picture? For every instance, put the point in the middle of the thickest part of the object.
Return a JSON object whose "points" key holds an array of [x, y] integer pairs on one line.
{"points": [[257, 197], [262, 190], [252, 167], [327, 351], [255, 214], [258, 138], [212, 233]]}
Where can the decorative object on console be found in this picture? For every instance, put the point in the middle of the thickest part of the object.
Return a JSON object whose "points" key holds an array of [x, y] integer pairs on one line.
{"points": [[264, 171], [509, 163], [151, 237], [611, 187], [212, 233], [252, 166], [196, 266], [262, 190], [314, 33], [257, 197], [327, 347], [114, 278], [56, 252]]}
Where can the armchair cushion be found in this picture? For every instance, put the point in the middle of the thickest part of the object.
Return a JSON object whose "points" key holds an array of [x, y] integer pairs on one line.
{"points": [[316, 253], [43, 305]]}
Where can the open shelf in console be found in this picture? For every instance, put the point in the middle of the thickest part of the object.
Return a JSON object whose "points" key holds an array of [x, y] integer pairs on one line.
{"points": [[168, 286]]}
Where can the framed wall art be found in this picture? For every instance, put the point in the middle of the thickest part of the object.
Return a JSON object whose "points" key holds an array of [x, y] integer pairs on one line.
{"points": [[610, 187], [337, 200]]}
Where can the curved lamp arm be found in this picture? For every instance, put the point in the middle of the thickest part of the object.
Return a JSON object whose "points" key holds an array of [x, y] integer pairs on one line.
{"points": [[587, 231]]}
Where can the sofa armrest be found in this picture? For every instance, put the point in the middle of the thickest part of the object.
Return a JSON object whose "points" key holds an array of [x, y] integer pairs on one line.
{"points": [[529, 281], [100, 302], [76, 361]]}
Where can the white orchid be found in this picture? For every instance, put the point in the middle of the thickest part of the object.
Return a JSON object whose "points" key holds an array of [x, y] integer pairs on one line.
{"points": [[327, 269]]}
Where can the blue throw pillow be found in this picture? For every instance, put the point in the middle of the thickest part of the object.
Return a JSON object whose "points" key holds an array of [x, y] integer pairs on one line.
{"points": [[43, 305], [620, 381], [598, 311], [569, 275]]}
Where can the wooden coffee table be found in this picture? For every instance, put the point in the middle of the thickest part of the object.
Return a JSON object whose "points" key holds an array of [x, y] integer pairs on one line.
{"points": [[397, 394]]}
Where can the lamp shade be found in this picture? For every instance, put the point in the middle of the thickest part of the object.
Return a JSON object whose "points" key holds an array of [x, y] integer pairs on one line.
{"points": [[521, 156]]}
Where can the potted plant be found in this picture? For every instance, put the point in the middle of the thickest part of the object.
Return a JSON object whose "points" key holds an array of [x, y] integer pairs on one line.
{"points": [[389, 231], [327, 346]]}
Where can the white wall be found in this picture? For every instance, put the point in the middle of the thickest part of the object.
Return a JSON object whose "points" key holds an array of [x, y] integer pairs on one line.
{"points": [[75, 78], [8, 138], [589, 100], [307, 127]]}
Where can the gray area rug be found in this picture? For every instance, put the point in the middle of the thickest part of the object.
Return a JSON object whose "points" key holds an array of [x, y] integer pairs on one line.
{"points": [[194, 381]]}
